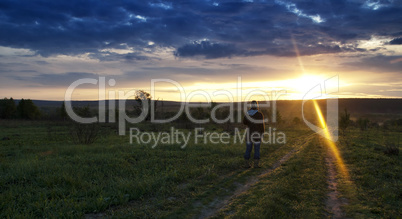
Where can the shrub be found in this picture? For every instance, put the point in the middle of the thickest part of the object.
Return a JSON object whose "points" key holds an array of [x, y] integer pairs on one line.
{"points": [[84, 133], [363, 124], [344, 121], [391, 149]]}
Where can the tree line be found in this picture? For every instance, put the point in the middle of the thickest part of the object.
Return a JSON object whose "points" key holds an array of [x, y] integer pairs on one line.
{"points": [[25, 109]]}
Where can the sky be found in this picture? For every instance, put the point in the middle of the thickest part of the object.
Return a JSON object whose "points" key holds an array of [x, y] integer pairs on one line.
{"points": [[203, 45]]}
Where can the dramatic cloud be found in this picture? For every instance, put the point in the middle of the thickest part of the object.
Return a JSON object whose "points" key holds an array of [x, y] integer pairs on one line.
{"points": [[221, 29], [396, 41], [207, 49], [377, 64], [51, 43], [64, 79]]}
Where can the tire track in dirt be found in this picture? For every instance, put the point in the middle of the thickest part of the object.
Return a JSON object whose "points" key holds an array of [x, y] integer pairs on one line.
{"points": [[219, 204], [333, 204]]}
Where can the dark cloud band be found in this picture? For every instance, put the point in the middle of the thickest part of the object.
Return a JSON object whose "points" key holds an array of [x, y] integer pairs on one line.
{"points": [[221, 29]]}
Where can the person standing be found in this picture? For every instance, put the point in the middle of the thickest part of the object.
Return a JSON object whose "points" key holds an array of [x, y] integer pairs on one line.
{"points": [[254, 120]]}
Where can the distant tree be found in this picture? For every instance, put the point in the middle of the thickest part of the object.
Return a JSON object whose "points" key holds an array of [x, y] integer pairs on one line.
{"points": [[185, 121], [2, 107], [32, 111], [21, 109], [8, 108], [344, 121], [213, 105], [279, 119], [142, 96], [200, 113], [63, 112], [296, 120], [26, 109], [84, 112], [183, 118], [269, 115], [393, 124], [363, 124]]}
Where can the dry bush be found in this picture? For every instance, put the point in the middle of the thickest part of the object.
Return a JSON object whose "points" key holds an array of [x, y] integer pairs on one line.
{"points": [[84, 133]]}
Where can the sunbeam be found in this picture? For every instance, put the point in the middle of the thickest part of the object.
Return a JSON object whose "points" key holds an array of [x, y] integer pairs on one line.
{"points": [[330, 143]]}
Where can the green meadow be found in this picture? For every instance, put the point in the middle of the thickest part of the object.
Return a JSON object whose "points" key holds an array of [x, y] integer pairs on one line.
{"points": [[45, 173]]}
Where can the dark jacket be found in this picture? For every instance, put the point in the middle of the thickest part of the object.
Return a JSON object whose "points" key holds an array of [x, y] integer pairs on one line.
{"points": [[255, 129]]}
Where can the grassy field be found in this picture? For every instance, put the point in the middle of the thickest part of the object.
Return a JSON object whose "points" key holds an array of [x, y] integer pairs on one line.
{"points": [[44, 174], [374, 190], [295, 190]]}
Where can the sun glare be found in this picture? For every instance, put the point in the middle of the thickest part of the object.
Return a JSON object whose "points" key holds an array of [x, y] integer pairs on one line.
{"points": [[293, 89], [332, 146], [306, 82]]}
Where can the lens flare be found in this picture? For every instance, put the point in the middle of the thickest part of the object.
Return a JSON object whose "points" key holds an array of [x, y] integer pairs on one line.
{"points": [[331, 144]]}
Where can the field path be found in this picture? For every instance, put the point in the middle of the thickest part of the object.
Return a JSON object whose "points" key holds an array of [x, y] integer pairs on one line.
{"points": [[218, 204], [333, 203]]}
